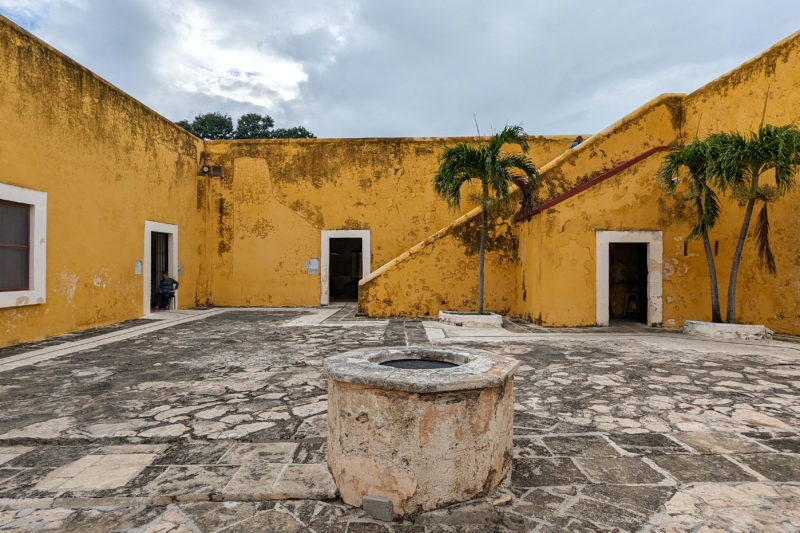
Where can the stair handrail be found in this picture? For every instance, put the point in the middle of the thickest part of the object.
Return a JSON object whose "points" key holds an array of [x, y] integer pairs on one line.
{"points": [[525, 214]]}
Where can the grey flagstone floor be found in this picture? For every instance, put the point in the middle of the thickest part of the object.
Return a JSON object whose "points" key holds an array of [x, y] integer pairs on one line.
{"points": [[215, 421]]}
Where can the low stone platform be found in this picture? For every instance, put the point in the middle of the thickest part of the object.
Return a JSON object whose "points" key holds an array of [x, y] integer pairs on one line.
{"points": [[199, 425], [726, 331]]}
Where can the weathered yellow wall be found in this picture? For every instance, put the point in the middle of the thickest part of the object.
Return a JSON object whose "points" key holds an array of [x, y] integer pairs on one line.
{"points": [[442, 272], [557, 247], [736, 101], [275, 197], [553, 272], [107, 164]]}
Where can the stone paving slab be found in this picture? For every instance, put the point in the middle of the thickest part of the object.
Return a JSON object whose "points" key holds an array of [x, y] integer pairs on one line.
{"points": [[181, 472], [25, 347], [96, 472], [201, 425], [99, 337]]}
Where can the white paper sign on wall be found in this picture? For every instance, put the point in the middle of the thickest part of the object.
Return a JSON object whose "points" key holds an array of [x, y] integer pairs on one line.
{"points": [[312, 266], [137, 268]]}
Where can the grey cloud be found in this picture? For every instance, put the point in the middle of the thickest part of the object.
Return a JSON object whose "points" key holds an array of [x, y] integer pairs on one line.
{"points": [[421, 68], [117, 39]]}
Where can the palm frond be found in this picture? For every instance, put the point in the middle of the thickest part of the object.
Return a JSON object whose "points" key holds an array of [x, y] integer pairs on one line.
{"points": [[737, 161], [764, 111], [710, 211], [668, 171], [457, 165], [485, 162], [762, 240], [693, 156], [729, 159], [514, 134], [711, 208], [781, 151], [506, 164]]}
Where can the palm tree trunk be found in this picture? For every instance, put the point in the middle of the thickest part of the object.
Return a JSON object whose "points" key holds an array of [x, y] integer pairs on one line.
{"points": [[737, 255], [482, 252], [716, 315]]}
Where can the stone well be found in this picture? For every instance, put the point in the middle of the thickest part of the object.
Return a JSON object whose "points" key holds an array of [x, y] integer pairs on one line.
{"points": [[422, 438]]}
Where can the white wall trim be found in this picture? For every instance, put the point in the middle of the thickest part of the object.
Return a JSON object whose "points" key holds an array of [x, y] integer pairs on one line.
{"points": [[325, 254], [37, 265], [158, 227], [655, 268]]}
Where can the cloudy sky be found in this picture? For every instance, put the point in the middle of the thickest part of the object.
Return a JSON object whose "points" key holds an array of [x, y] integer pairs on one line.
{"points": [[364, 68]]}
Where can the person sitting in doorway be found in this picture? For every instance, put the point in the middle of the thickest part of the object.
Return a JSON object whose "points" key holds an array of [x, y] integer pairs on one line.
{"points": [[166, 290]]}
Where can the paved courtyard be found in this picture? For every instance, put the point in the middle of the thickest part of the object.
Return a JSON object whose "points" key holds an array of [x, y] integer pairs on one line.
{"points": [[215, 421]]}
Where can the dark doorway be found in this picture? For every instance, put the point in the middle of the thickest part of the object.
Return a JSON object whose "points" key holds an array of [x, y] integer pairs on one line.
{"points": [[345, 269], [159, 262], [627, 277]]}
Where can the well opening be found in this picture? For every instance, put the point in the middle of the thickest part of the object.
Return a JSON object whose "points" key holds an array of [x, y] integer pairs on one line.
{"points": [[418, 364], [392, 357]]}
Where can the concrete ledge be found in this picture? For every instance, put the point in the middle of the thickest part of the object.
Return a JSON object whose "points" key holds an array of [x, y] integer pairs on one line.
{"points": [[726, 331], [471, 320]]}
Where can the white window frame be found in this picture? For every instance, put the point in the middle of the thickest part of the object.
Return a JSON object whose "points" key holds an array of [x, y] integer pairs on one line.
{"points": [[159, 227], [37, 260], [655, 269], [325, 253]]}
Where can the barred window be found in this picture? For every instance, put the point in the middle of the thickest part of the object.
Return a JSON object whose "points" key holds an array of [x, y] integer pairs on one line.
{"points": [[23, 246], [14, 246]]}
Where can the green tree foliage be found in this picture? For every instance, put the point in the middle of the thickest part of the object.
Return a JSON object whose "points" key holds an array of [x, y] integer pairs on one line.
{"points": [[738, 163], [185, 124], [254, 126], [298, 132], [215, 126], [694, 157], [486, 163]]}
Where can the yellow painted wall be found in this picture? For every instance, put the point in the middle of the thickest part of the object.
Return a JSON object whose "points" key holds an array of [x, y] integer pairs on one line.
{"points": [[442, 272], [107, 163], [557, 246], [276, 196], [556, 251], [556, 261], [560, 248], [735, 101]]}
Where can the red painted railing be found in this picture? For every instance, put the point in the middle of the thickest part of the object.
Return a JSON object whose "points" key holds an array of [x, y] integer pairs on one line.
{"points": [[525, 214]]}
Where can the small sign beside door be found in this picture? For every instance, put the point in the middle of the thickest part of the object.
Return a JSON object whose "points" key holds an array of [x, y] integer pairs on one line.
{"points": [[312, 266], [137, 268]]}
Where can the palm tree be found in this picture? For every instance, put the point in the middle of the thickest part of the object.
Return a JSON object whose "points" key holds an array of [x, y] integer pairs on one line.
{"points": [[737, 162], [694, 157], [484, 162]]}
